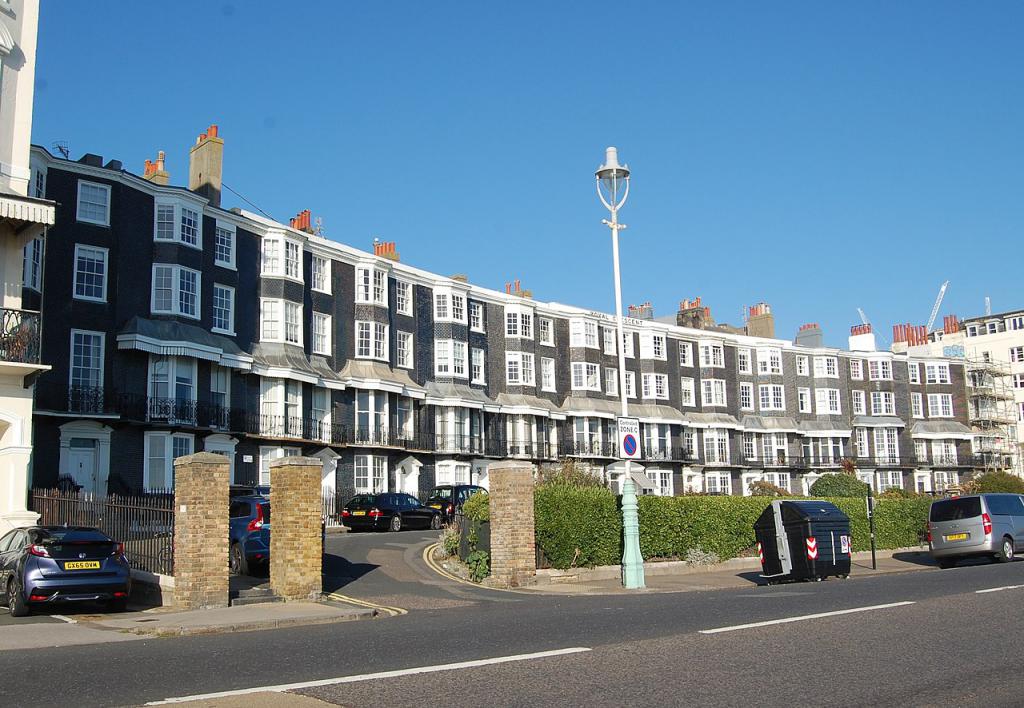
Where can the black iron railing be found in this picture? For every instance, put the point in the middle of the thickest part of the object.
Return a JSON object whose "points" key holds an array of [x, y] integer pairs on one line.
{"points": [[19, 336], [145, 524]]}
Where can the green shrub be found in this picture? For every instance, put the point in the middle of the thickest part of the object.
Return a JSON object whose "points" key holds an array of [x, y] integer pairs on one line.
{"points": [[569, 473], [838, 485], [478, 507], [767, 489], [450, 541], [577, 526], [583, 527], [993, 482], [479, 563]]}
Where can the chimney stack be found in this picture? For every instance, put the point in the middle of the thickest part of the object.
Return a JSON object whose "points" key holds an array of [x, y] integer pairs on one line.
{"points": [[302, 221], [761, 321], [206, 165], [862, 338], [516, 288], [643, 311], [154, 170], [810, 335], [385, 249], [950, 324]]}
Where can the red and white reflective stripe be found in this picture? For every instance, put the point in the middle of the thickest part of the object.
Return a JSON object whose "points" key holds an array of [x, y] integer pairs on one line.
{"points": [[812, 548], [760, 552]]}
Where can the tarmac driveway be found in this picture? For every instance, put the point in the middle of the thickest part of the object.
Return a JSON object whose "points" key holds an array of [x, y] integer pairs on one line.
{"points": [[388, 569]]}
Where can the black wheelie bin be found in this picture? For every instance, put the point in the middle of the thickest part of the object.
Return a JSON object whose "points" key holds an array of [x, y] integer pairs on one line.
{"points": [[803, 540]]}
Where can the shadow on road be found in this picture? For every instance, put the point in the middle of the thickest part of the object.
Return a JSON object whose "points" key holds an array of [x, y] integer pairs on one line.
{"points": [[339, 572], [752, 576], [914, 557]]}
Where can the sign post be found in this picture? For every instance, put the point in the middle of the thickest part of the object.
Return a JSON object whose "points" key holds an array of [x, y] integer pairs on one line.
{"points": [[870, 501], [629, 449]]}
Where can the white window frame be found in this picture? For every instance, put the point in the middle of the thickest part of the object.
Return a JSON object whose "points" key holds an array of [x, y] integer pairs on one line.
{"points": [[687, 392], [403, 297], [475, 312], [176, 273], [655, 386], [652, 346], [803, 400], [611, 381], [685, 354], [769, 361], [712, 355], [586, 376], [913, 372], [860, 405], [478, 366], [548, 381], [583, 333], [292, 265], [451, 358], [106, 273], [102, 358], [879, 369], [223, 226], [371, 285], [826, 367], [178, 209], [883, 403], [230, 329], [746, 396], [32, 264], [937, 373], [451, 299], [321, 341], [105, 221], [376, 474], [744, 357], [377, 340], [168, 456], [518, 322], [940, 405], [916, 405], [714, 393], [827, 401], [404, 356], [771, 397], [320, 273], [526, 375], [802, 367], [546, 331], [857, 369], [630, 384]]}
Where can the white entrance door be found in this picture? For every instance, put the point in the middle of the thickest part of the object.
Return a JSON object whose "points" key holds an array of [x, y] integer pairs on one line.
{"points": [[83, 468], [409, 478]]}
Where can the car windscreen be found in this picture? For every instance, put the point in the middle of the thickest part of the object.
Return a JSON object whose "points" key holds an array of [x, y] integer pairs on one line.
{"points": [[441, 493], [71, 535], [956, 509], [363, 500]]}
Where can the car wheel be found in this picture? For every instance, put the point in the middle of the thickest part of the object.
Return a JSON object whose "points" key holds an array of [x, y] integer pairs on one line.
{"points": [[396, 522], [238, 564], [1005, 554], [946, 563], [435, 522], [16, 601]]}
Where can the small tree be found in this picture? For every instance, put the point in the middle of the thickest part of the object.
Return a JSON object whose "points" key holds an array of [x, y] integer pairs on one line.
{"points": [[1000, 482], [569, 473], [838, 485]]}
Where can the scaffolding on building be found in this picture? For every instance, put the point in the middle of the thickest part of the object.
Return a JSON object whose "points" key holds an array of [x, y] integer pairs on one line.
{"points": [[992, 414]]}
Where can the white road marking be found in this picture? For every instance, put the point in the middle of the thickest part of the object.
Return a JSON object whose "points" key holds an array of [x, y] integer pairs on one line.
{"points": [[370, 677], [62, 618], [1005, 587], [818, 615]]}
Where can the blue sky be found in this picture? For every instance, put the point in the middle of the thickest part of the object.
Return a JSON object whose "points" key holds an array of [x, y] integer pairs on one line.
{"points": [[816, 156]]}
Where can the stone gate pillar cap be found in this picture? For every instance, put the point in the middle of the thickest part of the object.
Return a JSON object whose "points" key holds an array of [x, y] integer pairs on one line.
{"points": [[509, 465], [296, 462], [201, 458]]}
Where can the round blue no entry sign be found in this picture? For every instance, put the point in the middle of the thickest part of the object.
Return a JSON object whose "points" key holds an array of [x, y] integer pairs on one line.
{"points": [[629, 445]]}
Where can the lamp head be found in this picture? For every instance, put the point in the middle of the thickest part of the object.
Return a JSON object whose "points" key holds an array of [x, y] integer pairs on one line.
{"points": [[611, 169], [612, 180]]}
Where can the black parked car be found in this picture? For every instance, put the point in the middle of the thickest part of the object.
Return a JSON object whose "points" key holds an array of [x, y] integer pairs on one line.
{"points": [[449, 498], [42, 565], [388, 511]]}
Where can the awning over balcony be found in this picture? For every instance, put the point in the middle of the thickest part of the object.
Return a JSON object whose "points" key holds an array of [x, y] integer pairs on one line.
{"points": [[822, 429], [459, 395], [653, 413], [379, 377], [878, 421], [27, 209], [171, 338], [579, 406], [522, 404], [712, 420], [940, 430], [289, 362], [769, 424]]}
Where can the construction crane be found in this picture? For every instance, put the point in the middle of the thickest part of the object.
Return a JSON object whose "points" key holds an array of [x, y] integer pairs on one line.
{"points": [[935, 307], [863, 317]]}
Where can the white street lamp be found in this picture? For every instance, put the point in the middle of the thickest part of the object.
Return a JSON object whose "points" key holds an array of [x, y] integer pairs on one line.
{"points": [[613, 189]]}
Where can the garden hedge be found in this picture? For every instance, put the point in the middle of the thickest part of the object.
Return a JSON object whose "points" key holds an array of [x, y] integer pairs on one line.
{"points": [[583, 527]]}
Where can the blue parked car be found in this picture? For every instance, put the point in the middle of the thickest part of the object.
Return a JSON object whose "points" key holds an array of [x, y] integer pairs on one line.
{"points": [[43, 565], [249, 533]]}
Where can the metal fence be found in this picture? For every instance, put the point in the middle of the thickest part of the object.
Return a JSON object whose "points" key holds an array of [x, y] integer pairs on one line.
{"points": [[332, 504], [145, 524]]}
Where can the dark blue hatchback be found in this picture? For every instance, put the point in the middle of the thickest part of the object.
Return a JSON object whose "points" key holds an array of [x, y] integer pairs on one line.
{"points": [[249, 533], [42, 565]]}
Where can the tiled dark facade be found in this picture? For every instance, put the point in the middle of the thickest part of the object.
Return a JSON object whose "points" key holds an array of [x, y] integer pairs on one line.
{"points": [[459, 425]]}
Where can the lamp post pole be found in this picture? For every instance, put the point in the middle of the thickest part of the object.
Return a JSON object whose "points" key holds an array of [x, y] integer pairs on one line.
{"points": [[613, 189]]}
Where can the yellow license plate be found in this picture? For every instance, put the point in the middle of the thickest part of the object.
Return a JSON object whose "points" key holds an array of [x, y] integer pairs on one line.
{"points": [[358, 513], [82, 565], [956, 537], [435, 506]]}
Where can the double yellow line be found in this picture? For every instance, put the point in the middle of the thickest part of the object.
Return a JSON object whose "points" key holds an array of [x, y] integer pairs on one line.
{"points": [[383, 609]]}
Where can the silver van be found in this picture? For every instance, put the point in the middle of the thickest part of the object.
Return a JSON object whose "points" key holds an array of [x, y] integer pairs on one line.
{"points": [[977, 525]]}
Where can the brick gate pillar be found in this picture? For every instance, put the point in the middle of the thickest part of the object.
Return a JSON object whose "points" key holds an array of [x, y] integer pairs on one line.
{"points": [[296, 560], [513, 558], [201, 531]]}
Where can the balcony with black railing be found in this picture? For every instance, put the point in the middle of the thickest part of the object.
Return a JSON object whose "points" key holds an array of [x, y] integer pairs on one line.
{"points": [[19, 336], [589, 448]]}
